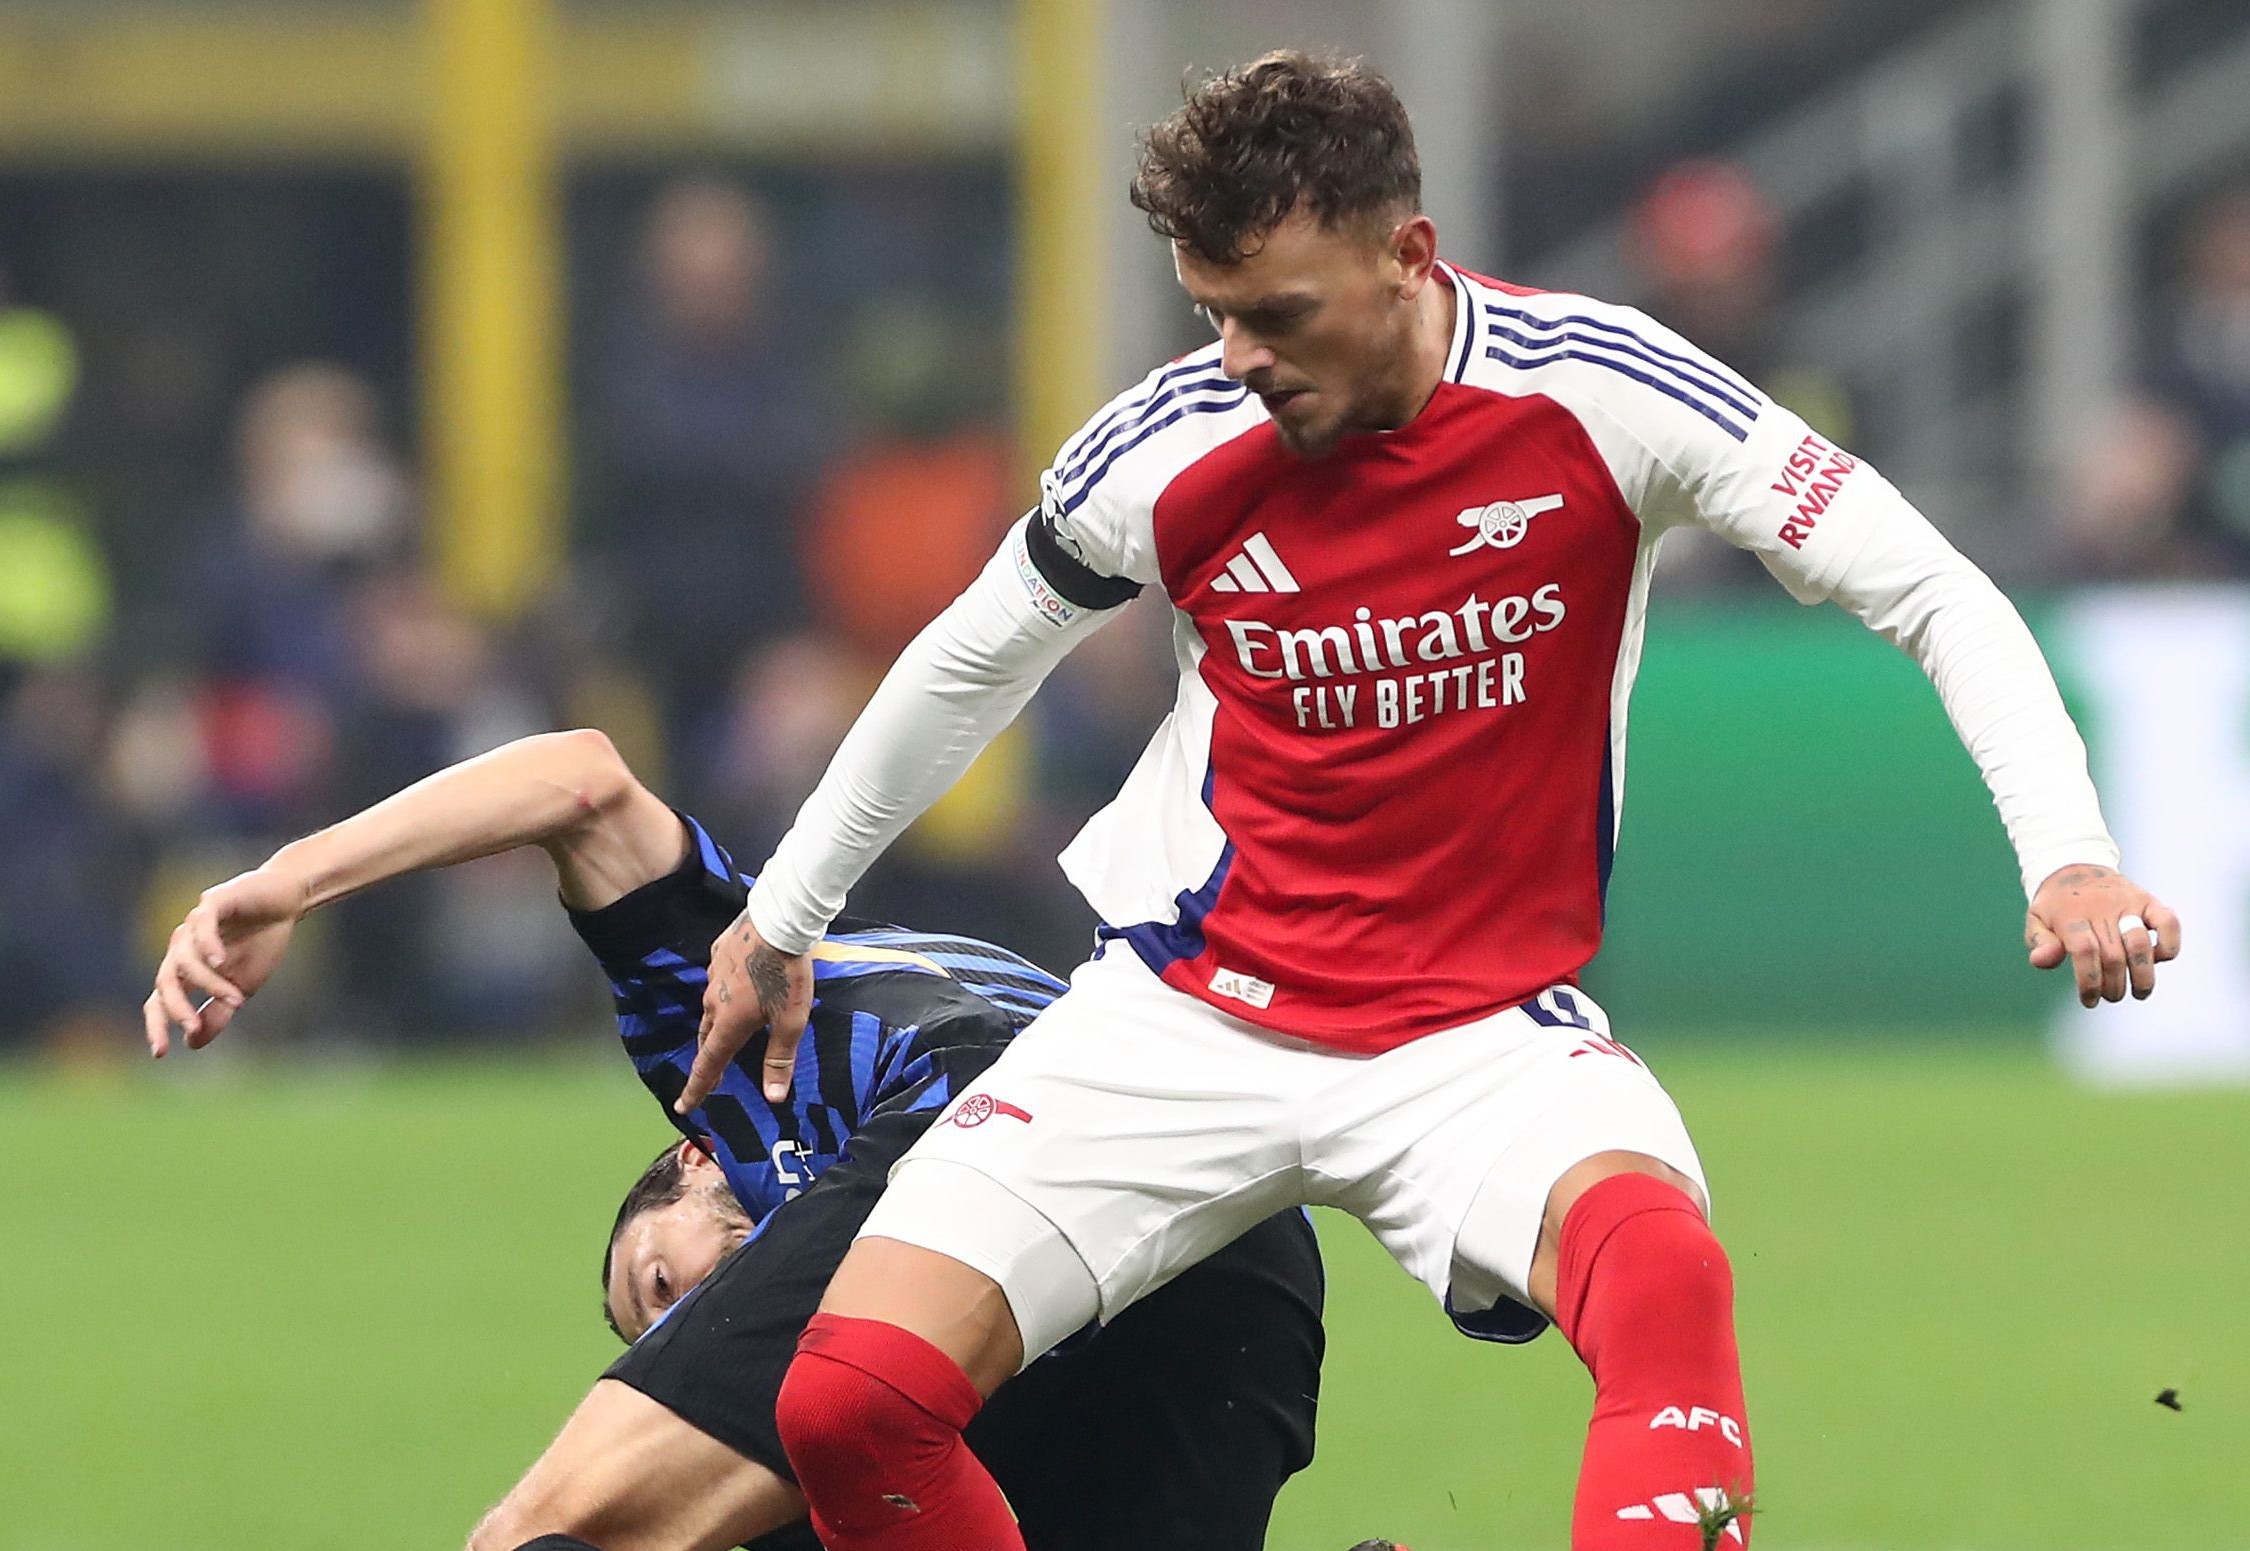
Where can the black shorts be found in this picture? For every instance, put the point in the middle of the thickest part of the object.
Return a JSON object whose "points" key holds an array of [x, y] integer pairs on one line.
{"points": [[1174, 1425]]}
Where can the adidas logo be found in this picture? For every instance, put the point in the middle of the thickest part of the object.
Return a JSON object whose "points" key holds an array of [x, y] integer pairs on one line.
{"points": [[1255, 568], [1243, 988], [1680, 1508]]}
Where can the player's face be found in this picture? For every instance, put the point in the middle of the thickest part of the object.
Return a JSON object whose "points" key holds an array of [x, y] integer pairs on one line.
{"points": [[1321, 324], [668, 1249]]}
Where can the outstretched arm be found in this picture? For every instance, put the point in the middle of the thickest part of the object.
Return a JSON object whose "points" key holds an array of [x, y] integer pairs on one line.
{"points": [[1832, 528], [567, 792], [1912, 587]]}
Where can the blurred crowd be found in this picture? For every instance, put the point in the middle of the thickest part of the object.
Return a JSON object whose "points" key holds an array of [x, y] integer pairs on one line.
{"points": [[772, 498], [220, 626], [2165, 491]]}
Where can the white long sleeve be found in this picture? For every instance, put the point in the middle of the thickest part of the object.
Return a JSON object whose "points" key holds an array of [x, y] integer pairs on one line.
{"points": [[1915, 589], [950, 693]]}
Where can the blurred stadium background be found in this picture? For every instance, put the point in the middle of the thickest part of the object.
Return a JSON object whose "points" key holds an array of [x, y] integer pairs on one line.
{"points": [[380, 381]]}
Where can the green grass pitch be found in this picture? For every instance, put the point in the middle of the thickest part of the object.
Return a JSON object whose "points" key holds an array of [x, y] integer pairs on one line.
{"points": [[245, 1309]]}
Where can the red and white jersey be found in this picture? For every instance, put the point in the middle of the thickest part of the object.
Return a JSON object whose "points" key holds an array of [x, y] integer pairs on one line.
{"points": [[1385, 800]]}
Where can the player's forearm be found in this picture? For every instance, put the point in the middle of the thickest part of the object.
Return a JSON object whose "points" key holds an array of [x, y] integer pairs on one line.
{"points": [[950, 693], [1914, 588], [535, 791]]}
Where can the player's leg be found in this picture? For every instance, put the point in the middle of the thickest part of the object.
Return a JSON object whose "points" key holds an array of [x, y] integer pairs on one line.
{"points": [[626, 1474], [886, 1380], [1637, 1282], [897, 1363], [1533, 1131], [1122, 1137], [1625, 1262], [1176, 1424]]}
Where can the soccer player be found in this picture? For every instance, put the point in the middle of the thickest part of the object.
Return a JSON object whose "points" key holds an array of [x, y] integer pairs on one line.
{"points": [[1175, 1426], [1405, 517]]}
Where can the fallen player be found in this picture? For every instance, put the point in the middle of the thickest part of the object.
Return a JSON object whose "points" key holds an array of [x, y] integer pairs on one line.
{"points": [[1174, 1425]]}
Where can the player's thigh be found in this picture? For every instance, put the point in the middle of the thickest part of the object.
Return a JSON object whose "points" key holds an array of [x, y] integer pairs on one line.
{"points": [[628, 1475], [954, 1305], [1176, 1424], [1453, 1145], [1130, 1131]]}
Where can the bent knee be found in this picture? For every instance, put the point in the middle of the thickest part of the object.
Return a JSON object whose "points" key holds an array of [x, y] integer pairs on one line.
{"points": [[1679, 1267], [1694, 1261], [869, 1410], [836, 1420]]}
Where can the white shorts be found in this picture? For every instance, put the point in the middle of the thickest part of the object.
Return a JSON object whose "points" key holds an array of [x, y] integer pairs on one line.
{"points": [[1140, 1129]]}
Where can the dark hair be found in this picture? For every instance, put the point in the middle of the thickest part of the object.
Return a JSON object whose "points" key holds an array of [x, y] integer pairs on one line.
{"points": [[663, 1182], [1250, 145]]}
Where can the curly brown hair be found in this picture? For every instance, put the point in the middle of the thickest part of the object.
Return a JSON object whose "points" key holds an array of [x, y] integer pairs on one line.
{"points": [[1251, 145]]}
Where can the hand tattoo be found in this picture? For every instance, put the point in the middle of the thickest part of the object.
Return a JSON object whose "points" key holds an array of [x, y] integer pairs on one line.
{"points": [[768, 974]]}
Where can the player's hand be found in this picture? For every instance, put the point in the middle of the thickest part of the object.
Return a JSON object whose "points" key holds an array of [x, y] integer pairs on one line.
{"points": [[220, 955], [753, 986], [2113, 932]]}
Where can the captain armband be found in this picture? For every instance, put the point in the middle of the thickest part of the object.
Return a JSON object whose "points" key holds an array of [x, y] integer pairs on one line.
{"points": [[1062, 586]]}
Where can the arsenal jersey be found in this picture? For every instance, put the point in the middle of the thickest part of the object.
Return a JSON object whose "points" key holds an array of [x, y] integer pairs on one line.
{"points": [[1386, 798]]}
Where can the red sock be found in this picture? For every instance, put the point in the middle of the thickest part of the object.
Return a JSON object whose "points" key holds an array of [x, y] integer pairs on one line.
{"points": [[1645, 1295], [871, 1417]]}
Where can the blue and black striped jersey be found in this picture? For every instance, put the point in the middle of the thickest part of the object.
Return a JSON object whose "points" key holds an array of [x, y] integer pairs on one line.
{"points": [[901, 1021]]}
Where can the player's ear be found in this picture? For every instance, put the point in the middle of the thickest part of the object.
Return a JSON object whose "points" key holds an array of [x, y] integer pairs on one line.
{"points": [[1413, 248], [695, 1156]]}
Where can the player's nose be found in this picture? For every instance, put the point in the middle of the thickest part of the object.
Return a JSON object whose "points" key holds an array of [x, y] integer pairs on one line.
{"points": [[1239, 354]]}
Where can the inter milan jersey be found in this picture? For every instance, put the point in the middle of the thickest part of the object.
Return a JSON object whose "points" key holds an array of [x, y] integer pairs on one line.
{"points": [[899, 1020]]}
